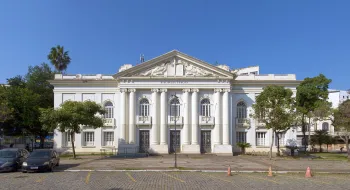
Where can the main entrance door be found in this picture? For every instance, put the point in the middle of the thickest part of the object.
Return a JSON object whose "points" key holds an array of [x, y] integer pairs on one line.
{"points": [[205, 141], [174, 141], [144, 141]]}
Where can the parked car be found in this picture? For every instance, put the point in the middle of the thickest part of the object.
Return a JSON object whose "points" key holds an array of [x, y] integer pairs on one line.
{"points": [[12, 159], [41, 160]]}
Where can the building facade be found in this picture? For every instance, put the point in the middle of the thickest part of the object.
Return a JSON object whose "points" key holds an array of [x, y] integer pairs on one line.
{"points": [[173, 102]]}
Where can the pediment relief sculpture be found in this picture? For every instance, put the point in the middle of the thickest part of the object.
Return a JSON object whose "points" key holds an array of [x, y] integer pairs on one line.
{"points": [[176, 68]]}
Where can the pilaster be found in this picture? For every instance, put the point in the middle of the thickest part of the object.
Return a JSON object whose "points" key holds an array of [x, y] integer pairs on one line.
{"points": [[132, 116]]}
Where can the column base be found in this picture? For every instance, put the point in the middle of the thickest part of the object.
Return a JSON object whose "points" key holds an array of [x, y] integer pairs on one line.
{"points": [[127, 148], [191, 149], [159, 149], [222, 149]]}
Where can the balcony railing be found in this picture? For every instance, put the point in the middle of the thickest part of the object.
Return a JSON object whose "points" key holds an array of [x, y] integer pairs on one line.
{"points": [[206, 120], [243, 122], [259, 123], [109, 122], [178, 119], [143, 120]]}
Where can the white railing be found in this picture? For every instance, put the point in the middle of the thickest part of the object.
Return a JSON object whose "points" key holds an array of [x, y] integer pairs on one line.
{"points": [[206, 120], [144, 120], [259, 123], [178, 119], [109, 122], [243, 122]]}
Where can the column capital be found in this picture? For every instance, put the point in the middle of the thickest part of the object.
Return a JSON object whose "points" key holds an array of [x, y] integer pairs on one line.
{"points": [[226, 90], [163, 90], [217, 90], [131, 90], [186, 90], [123, 89], [155, 90], [195, 90]]}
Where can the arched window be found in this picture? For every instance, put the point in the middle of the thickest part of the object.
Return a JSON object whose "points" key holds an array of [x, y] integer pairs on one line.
{"points": [[205, 107], [325, 126], [144, 107], [109, 109], [175, 107], [241, 110]]}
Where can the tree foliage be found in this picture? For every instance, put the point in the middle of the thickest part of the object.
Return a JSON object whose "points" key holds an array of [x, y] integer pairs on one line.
{"points": [[320, 137], [311, 93], [274, 108], [25, 95], [59, 58], [71, 116], [341, 123]]}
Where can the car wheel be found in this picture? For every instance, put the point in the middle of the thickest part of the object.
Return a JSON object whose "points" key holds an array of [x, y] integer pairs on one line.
{"points": [[51, 168]]}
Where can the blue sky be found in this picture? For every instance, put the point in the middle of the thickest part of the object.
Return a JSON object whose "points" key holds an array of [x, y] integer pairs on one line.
{"points": [[301, 37]]}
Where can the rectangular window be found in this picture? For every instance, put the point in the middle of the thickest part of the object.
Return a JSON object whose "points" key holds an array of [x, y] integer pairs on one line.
{"points": [[282, 137], [108, 138], [89, 138], [67, 139], [260, 138], [109, 112], [241, 137]]}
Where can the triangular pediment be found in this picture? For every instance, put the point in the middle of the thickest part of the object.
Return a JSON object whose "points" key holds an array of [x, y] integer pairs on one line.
{"points": [[175, 64]]}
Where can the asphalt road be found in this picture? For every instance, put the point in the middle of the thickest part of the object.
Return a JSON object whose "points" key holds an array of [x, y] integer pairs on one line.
{"points": [[169, 180]]}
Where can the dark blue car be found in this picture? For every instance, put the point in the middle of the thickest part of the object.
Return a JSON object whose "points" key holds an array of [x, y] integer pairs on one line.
{"points": [[11, 159], [41, 160]]}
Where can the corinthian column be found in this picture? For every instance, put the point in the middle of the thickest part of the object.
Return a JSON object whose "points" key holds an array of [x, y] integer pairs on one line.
{"points": [[225, 118], [195, 116], [186, 127], [163, 117], [122, 135], [155, 129], [132, 116], [218, 108]]}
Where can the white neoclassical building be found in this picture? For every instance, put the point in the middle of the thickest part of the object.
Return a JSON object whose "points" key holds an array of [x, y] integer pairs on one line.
{"points": [[209, 106]]}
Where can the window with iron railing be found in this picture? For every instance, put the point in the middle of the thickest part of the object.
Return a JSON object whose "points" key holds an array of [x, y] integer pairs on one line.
{"points": [[109, 110], [205, 108], [144, 107]]}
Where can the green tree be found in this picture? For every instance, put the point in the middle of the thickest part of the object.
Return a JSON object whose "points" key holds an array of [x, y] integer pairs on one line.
{"points": [[71, 116], [59, 58], [310, 94], [274, 107], [319, 138], [37, 80], [329, 140], [25, 96], [6, 112], [341, 123]]}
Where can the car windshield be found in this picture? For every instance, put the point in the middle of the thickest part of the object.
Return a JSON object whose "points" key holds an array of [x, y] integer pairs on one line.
{"points": [[40, 154], [7, 154]]}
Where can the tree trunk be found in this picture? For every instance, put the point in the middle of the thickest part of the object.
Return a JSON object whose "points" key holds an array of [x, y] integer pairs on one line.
{"points": [[309, 136], [71, 137], [320, 147], [278, 144], [327, 147], [271, 145], [42, 141], [347, 146], [303, 127]]}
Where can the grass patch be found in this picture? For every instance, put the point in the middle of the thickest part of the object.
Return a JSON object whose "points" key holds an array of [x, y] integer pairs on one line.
{"points": [[329, 156]]}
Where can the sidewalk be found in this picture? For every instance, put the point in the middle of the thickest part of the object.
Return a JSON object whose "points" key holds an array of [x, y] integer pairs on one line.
{"points": [[203, 162]]}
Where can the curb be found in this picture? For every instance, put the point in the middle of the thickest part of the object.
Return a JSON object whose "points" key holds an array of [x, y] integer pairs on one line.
{"points": [[205, 171]]}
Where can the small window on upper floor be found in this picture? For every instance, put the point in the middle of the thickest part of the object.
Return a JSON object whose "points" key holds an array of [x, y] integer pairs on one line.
{"points": [[241, 110], [109, 109], [205, 107], [144, 107], [325, 126]]}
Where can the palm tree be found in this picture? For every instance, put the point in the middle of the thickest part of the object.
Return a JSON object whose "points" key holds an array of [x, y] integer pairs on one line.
{"points": [[59, 58]]}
